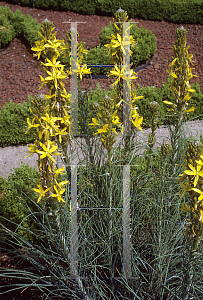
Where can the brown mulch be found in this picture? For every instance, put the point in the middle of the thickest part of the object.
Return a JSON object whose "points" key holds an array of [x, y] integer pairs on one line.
{"points": [[20, 70]]}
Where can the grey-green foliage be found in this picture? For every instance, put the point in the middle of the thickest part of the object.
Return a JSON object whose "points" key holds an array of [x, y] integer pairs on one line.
{"points": [[13, 124], [11, 207], [159, 250], [146, 42]]}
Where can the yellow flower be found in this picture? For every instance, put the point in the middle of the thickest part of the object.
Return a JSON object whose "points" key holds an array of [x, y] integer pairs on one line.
{"points": [[137, 122], [55, 75], [199, 192], [60, 133], [118, 73], [41, 192], [119, 43], [47, 151], [102, 129], [94, 120], [115, 119], [39, 48], [82, 70], [54, 45], [58, 194], [59, 171], [32, 148], [195, 172], [51, 121], [53, 64], [31, 125]]}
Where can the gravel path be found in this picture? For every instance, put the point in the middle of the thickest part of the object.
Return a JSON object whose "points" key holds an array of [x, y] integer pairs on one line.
{"points": [[11, 157]]}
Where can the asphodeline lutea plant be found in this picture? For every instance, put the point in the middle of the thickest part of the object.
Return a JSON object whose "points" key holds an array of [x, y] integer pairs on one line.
{"points": [[194, 186], [181, 73], [107, 122], [51, 117], [122, 72]]}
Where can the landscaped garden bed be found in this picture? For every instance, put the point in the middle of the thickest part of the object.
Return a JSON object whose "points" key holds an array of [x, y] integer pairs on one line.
{"points": [[86, 224]]}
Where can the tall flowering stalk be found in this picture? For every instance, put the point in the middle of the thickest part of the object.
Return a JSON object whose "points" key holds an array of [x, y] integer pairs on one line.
{"points": [[181, 73], [121, 71], [194, 186], [51, 118], [51, 115], [109, 114]]}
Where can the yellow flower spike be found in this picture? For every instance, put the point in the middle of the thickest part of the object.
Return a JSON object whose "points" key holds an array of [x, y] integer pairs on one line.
{"points": [[41, 192], [195, 172], [58, 193]]}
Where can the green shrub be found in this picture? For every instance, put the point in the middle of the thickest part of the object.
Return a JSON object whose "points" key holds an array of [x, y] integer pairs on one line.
{"points": [[30, 30], [79, 6], [46, 4], [145, 47], [11, 207], [98, 56], [13, 123], [197, 102], [7, 32], [17, 22], [149, 94], [18, 25]]}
